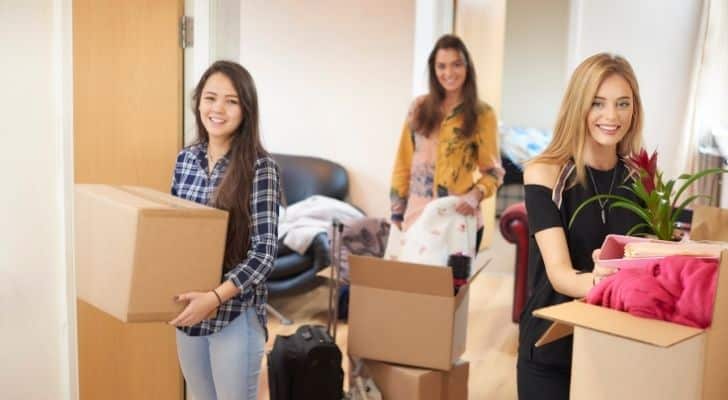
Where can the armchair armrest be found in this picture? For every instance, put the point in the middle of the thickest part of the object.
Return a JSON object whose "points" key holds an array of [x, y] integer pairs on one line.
{"points": [[514, 228]]}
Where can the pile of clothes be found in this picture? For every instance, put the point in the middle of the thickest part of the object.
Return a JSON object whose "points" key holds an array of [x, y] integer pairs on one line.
{"points": [[678, 289]]}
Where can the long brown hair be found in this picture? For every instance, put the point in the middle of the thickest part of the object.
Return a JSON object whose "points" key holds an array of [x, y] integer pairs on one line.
{"points": [[571, 128], [428, 114], [233, 193]]}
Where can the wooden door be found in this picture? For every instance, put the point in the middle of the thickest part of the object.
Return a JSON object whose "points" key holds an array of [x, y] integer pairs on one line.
{"points": [[127, 68]]}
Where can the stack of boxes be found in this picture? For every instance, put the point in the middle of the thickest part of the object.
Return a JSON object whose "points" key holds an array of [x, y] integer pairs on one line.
{"points": [[409, 328], [135, 249]]}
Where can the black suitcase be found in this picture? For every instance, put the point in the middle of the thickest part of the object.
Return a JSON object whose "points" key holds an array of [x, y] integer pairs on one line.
{"points": [[307, 364]]}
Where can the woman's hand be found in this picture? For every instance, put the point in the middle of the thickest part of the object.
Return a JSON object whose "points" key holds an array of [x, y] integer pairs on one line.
{"points": [[200, 306], [468, 203], [600, 272]]}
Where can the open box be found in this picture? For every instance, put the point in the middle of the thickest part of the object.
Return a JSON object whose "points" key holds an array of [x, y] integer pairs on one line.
{"points": [[620, 356], [406, 313]]}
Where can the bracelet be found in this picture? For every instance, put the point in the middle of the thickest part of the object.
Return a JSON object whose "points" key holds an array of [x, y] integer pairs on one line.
{"points": [[219, 299]]}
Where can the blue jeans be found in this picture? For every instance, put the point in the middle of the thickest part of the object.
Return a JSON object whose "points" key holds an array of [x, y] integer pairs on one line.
{"points": [[226, 364]]}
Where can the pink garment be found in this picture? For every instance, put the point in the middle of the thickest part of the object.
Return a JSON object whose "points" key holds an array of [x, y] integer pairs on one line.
{"points": [[678, 289]]}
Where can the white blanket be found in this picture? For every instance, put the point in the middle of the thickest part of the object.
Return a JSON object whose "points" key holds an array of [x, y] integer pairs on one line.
{"points": [[302, 221], [439, 232]]}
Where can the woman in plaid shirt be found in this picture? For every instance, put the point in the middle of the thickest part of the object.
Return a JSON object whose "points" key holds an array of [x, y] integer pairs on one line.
{"points": [[228, 168]]}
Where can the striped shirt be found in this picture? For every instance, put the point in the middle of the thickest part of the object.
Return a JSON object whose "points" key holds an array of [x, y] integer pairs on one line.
{"points": [[192, 182]]}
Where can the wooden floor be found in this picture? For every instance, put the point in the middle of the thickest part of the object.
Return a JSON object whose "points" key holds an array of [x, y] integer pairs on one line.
{"points": [[492, 337]]}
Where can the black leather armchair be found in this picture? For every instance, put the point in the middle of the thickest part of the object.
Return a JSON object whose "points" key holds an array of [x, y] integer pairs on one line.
{"points": [[301, 177]]}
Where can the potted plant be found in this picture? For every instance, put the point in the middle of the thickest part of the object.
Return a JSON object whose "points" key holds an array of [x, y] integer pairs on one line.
{"points": [[658, 206]]}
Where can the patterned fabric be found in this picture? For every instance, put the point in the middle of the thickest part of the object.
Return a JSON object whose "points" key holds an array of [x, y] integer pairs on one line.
{"points": [[421, 187], [508, 195], [191, 182], [522, 144], [457, 158], [363, 237]]}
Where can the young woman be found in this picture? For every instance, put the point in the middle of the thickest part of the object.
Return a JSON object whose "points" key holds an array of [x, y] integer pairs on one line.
{"points": [[448, 134], [228, 168], [600, 121]]}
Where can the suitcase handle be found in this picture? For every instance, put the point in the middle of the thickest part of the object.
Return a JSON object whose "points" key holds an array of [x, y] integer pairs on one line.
{"points": [[336, 232]]}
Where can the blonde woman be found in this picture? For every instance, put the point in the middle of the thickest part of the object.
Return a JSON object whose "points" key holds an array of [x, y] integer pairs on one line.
{"points": [[600, 122]]}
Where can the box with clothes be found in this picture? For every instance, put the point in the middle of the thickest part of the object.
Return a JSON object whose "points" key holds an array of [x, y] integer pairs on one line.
{"points": [[136, 248], [617, 355]]}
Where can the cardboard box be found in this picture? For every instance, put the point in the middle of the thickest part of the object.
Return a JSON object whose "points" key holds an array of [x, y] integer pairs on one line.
{"points": [[406, 313], [137, 248], [620, 356], [401, 382]]}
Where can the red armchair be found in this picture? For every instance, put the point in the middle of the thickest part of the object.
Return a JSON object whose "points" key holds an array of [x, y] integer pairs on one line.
{"points": [[514, 228]]}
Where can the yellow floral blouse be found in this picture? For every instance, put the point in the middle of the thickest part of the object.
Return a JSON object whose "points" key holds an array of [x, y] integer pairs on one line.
{"points": [[456, 159]]}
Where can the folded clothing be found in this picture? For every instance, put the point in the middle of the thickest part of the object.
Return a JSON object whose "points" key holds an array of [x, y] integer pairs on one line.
{"points": [[678, 289], [659, 248]]}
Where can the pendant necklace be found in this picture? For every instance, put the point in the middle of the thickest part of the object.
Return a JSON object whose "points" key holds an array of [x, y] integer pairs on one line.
{"points": [[602, 202]]}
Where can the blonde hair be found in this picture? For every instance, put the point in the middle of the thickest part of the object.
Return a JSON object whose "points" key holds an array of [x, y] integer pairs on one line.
{"points": [[571, 128]]}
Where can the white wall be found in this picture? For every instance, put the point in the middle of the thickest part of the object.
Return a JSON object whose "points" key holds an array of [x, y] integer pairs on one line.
{"points": [[481, 25], [37, 348], [433, 18], [334, 80], [534, 62], [658, 39]]}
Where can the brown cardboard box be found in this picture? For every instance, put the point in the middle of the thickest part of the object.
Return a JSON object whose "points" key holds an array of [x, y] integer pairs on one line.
{"points": [[620, 356], [137, 248], [401, 382], [406, 313]]}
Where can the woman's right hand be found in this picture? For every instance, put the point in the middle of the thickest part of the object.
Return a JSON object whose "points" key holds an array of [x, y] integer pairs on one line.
{"points": [[600, 272]]}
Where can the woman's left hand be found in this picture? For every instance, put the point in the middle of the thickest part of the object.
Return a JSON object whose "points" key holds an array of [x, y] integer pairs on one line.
{"points": [[200, 306], [468, 203]]}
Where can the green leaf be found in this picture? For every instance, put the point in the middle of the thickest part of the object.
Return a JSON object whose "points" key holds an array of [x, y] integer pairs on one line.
{"points": [[693, 178], [592, 200], [638, 191], [684, 204], [630, 205], [638, 226]]}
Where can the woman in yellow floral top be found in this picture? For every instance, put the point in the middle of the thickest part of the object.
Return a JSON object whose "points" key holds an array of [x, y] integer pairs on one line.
{"points": [[448, 135]]}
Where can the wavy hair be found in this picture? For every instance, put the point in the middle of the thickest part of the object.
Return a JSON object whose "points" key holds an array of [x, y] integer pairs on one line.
{"points": [[428, 114], [233, 193], [571, 127]]}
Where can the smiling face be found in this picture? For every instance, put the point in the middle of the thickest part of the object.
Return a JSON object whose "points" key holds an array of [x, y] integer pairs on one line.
{"points": [[451, 70], [610, 116], [219, 108]]}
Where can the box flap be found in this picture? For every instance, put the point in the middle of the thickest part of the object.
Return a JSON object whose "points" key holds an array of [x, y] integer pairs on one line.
{"points": [[464, 289], [161, 198], [556, 331], [146, 199], [395, 275], [716, 347], [578, 313], [709, 223]]}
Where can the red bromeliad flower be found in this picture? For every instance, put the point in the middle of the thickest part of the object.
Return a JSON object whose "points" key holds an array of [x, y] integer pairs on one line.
{"points": [[647, 167], [656, 202]]}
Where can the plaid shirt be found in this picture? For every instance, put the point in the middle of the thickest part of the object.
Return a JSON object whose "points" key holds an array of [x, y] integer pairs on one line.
{"points": [[191, 182]]}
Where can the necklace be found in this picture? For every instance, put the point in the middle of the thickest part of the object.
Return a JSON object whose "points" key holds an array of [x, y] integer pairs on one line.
{"points": [[210, 161], [603, 203]]}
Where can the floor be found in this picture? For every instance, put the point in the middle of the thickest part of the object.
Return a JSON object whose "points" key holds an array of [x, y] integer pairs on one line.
{"points": [[492, 337]]}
